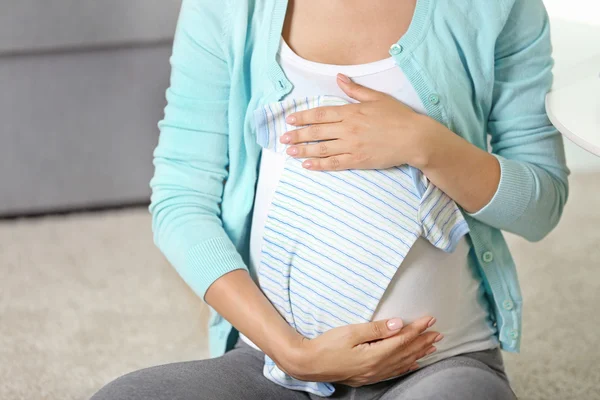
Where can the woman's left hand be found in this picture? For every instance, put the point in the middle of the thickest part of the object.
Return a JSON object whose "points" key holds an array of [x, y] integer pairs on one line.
{"points": [[377, 133]]}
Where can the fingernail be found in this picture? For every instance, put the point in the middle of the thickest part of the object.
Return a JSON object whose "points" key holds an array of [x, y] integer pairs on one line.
{"points": [[285, 139], [307, 164], [433, 321], [290, 120], [292, 151], [438, 338], [394, 324], [414, 368], [343, 78], [431, 350]]}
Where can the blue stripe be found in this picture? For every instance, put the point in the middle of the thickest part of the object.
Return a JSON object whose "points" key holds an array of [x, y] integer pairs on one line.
{"points": [[316, 266], [320, 254], [348, 212], [434, 224], [294, 316], [278, 204], [401, 169], [295, 306], [436, 201], [318, 293], [312, 278], [441, 210], [343, 223], [389, 176], [305, 312], [336, 174], [456, 233], [356, 201], [323, 241], [360, 175], [444, 225], [319, 308]]}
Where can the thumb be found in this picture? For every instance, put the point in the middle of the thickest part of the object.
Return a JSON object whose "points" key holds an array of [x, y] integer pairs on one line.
{"points": [[356, 91], [376, 330]]}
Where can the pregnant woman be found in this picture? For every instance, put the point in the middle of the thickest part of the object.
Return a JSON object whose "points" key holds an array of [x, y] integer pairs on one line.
{"points": [[256, 213]]}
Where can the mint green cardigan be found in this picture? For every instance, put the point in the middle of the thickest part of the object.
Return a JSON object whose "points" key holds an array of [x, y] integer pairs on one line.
{"points": [[482, 68]]}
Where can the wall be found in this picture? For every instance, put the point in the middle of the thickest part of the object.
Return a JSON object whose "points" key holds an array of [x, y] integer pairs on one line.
{"points": [[576, 37]]}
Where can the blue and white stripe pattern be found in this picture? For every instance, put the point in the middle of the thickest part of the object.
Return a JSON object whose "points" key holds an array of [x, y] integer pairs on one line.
{"points": [[334, 240]]}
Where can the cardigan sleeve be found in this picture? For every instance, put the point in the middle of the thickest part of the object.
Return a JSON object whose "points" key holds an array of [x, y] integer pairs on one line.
{"points": [[533, 186], [192, 154]]}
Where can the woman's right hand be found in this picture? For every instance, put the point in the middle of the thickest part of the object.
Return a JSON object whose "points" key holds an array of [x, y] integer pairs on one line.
{"points": [[361, 354]]}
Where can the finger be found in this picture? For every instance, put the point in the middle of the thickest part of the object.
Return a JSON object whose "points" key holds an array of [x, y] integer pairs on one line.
{"points": [[414, 367], [318, 115], [325, 148], [419, 347], [333, 163], [376, 330], [413, 330], [356, 91], [314, 133], [407, 335]]}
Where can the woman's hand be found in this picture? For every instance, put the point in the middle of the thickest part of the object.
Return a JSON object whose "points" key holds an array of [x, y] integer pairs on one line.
{"points": [[377, 133], [361, 354]]}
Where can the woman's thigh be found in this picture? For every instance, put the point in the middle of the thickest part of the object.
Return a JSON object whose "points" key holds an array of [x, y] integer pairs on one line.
{"points": [[236, 375], [476, 376]]}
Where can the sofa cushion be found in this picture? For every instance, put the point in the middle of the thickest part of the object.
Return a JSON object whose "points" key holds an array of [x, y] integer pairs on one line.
{"points": [[41, 25], [78, 129]]}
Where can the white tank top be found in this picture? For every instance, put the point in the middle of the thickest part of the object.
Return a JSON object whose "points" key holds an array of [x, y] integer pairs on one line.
{"points": [[429, 281]]}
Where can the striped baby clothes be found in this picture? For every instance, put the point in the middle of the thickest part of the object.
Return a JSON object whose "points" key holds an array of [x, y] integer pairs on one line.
{"points": [[333, 240]]}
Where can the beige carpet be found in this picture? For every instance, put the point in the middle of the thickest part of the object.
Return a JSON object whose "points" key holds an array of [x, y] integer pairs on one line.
{"points": [[85, 298]]}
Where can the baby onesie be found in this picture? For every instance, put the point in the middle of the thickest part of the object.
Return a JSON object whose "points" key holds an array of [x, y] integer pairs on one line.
{"points": [[334, 240]]}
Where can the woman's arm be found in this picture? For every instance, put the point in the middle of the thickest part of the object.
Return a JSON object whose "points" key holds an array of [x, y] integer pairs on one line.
{"points": [[521, 188], [191, 157], [187, 187], [236, 296], [533, 187]]}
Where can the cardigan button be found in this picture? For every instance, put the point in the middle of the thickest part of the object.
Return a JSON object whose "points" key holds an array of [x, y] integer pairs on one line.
{"points": [[508, 305], [513, 334], [434, 98], [488, 257], [396, 49]]}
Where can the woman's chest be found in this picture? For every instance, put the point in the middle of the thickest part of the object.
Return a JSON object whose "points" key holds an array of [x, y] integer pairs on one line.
{"points": [[443, 57], [345, 32]]}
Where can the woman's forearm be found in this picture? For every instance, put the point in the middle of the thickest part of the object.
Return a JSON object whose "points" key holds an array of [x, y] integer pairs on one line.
{"points": [[238, 299], [466, 173]]}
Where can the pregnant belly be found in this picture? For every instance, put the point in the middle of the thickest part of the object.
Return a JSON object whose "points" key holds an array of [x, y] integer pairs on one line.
{"points": [[428, 282], [443, 285]]}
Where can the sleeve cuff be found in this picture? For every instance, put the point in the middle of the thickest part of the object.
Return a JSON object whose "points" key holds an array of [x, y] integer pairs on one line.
{"points": [[512, 196], [208, 261]]}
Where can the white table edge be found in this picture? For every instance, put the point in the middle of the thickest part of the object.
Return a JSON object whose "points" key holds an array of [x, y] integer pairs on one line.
{"points": [[584, 144]]}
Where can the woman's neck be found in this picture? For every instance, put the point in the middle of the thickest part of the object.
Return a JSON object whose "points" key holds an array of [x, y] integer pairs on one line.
{"points": [[346, 32]]}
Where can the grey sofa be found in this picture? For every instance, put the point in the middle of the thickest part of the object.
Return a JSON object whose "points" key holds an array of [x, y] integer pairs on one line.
{"points": [[82, 88]]}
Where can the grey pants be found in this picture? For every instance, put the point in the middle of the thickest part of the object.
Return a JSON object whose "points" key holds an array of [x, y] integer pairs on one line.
{"points": [[238, 375]]}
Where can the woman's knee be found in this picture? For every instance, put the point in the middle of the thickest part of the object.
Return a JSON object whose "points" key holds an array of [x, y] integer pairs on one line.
{"points": [[184, 380], [459, 383], [143, 384], [216, 378]]}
